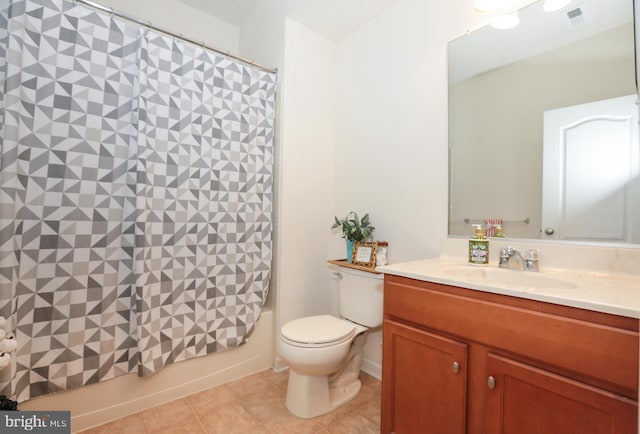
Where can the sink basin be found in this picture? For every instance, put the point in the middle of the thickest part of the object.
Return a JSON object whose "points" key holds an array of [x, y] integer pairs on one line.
{"points": [[507, 278]]}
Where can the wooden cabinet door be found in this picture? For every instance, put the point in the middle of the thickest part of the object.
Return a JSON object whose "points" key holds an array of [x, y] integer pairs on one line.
{"points": [[528, 400], [424, 382]]}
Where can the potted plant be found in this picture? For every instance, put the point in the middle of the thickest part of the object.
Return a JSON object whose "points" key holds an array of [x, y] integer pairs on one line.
{"points": [[354, 229]]}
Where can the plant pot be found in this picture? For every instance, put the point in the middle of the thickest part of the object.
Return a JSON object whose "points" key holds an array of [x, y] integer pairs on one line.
{"points": [[349, 250]]}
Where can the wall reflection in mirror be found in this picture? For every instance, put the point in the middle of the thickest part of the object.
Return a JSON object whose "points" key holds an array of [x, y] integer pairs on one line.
{"points": [[543, 131]]}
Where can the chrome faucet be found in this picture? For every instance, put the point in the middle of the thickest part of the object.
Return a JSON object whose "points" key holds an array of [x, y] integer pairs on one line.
{"points": [[507, 255]]}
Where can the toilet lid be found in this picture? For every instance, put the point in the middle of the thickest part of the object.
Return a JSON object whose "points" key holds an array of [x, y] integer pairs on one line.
{"points": [[318, 329]]}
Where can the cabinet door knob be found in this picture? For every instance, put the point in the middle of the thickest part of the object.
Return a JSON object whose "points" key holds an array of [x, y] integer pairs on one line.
{"points": [[491, 382], [455, 367]]}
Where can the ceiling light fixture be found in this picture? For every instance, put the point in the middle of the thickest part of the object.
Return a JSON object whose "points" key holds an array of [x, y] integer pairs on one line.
{"points": [[554, 5], [498, 5], [505, 21], [505, 12]]}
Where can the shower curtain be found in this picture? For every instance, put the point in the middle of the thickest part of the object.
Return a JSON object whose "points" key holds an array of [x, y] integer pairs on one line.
{"points": [[136, 176]]}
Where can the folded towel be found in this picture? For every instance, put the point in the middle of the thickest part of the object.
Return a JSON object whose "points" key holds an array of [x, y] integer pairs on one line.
{"points": [[490, 225]]}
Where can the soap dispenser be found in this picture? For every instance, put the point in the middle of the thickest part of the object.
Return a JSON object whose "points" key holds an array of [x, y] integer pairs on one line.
{"points": [[479, 248], [499, 232]]}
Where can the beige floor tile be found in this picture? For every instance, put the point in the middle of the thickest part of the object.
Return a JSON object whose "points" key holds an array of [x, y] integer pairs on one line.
{"points": [[369, 391], [371, 387], [127, 425], [175, 413], [230, 419], [266, 405], [291, 424], [191, 427], [208, 400], [353, 424], [270, 375], [371, 410], [328, 418], [269, 409], [369, 380], [278, 379], [252, 405], [250, 385]]}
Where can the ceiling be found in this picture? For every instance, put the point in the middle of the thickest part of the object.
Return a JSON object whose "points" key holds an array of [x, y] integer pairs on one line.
{"points": [[231, 11], [334, 19], [537, 33]]}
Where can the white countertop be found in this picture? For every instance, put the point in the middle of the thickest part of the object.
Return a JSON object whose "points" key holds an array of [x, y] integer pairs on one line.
{"points": [[617, 294]]}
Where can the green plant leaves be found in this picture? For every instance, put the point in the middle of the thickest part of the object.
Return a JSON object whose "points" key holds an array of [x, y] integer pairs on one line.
{"points": [[337, 224], [353, 228]]}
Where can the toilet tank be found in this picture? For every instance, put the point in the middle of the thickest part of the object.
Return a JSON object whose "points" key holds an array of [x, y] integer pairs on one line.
{"points": [[361, 296]]}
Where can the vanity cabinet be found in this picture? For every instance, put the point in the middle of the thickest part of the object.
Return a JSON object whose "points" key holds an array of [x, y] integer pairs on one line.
{"points": [[434, 397], [463, 361], [530, 400]]}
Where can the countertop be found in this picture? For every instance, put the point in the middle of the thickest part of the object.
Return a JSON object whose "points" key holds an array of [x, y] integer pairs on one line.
{"points": [[617, 294]]}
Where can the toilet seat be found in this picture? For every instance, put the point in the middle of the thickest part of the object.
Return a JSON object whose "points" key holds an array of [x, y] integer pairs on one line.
{"points": [[319, 331]]}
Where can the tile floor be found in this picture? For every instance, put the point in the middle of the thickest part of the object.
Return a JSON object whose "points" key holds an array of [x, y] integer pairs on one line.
{"points": [[251, 405]]}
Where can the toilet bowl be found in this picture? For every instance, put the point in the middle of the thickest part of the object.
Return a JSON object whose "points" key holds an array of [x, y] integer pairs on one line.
{"points": [[312, 359], [325, 353]]}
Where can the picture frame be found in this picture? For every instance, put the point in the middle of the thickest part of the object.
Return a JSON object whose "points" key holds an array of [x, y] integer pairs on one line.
{"points": [[364, 254]]}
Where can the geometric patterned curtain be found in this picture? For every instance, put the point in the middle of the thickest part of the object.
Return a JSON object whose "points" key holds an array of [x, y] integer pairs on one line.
{"points": [[205, 157], [136, 178]]}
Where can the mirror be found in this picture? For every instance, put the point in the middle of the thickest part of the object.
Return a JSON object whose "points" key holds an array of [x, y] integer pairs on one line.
{"points": [[506, 90]]}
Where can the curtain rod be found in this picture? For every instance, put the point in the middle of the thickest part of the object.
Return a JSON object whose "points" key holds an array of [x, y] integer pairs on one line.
{"points": [[149, 25]]}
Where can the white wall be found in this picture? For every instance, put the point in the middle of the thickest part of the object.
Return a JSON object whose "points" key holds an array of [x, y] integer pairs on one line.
{"points": [[391, 154], [363, 126], [391, 130], [180, 18], [262, 35], [305, 143], [307, 173]]}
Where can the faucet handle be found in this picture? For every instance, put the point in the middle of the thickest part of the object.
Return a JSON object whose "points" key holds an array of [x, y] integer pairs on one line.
{"points": [[533, 255], [531, 264]]}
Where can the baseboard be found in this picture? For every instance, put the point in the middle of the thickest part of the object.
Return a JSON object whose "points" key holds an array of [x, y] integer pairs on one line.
{"points": [[280, 365], [106, 401], [372, 368]]}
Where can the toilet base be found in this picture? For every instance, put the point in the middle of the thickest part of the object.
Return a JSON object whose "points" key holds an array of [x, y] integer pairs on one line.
{"points": [[342, 395], [310, 396]]}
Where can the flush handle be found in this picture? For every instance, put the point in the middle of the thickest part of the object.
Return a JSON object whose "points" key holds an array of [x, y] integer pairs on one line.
{"points": [[549, 231], [455, 367], [491, 382]]}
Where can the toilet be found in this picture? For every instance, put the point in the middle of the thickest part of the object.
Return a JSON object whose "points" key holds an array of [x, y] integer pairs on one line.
{"points": [[325, 353]]}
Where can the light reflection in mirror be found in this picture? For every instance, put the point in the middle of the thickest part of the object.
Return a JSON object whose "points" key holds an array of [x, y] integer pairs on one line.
{"points": [[501, 83]]}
